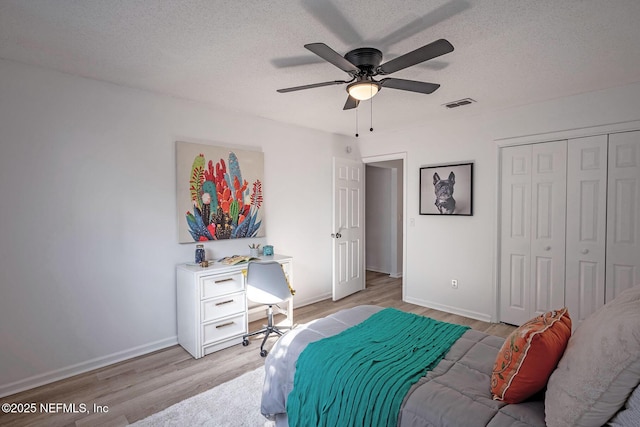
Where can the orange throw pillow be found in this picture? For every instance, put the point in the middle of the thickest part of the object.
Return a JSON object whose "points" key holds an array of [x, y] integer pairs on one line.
{"points": [[529, 355]]}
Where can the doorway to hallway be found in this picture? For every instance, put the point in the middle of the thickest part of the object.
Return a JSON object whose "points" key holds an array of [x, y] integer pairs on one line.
{"points": [[385, 188]]}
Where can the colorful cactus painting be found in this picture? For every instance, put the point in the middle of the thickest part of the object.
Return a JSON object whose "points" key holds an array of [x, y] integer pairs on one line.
{"points": [[225, 206]]}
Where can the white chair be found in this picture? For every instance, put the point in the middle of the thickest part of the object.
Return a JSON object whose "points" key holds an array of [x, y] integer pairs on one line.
{"points": [[268, 285]]}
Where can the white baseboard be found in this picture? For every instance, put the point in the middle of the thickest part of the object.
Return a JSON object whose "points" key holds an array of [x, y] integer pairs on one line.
{"points": [[80, 368], [382, 270], [453, 310]]}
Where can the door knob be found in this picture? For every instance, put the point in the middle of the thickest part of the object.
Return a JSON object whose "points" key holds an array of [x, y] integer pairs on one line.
{"points": [[336, 235], [547, 248], [584, 251]]}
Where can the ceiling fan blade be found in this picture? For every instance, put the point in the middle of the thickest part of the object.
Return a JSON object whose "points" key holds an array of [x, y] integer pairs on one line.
{"points": [[311, 86], [424, 53], [351, 103], [410, 85], [330, 16], [436, 16], [330, 55]]}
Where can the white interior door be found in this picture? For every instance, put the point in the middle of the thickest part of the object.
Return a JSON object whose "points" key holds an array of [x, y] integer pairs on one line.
{"points": [[623, 213], [348, 227], [586, 226]]}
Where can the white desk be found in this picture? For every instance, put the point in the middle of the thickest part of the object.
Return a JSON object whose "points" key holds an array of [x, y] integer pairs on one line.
{"points": [[213, 311]]}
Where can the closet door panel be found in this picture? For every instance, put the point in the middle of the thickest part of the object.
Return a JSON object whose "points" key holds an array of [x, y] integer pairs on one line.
{"points": [[586, 226], [548, 210], [543, 285], [518, 280], [623, 213], [515, 258]]}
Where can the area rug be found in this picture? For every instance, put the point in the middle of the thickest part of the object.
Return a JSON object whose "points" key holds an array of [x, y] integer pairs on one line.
{"points": [[233, 404]]}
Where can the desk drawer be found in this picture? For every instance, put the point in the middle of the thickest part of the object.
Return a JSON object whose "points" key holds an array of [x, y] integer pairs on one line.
{"points": [[214, 286], [225, 328], [223, 306]]}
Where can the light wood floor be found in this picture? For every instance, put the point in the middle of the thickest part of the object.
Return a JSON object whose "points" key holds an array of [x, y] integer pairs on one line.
{"points": [[142, 386]]}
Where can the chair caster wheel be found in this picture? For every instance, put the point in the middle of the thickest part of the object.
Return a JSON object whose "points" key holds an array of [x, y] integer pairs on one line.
{"points": [[263, 353], [245, 342]]}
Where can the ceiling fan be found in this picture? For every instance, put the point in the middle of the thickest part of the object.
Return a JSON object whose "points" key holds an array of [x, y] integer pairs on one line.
{"points": [[363, 64]]}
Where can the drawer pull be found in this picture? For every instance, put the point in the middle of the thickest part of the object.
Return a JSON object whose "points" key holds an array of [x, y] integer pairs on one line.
{"points": [[224, 324], [224, 302], [224, 280]]}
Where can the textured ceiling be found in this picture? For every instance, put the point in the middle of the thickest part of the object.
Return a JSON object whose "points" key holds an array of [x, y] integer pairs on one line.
{"points": [[235, 54]]}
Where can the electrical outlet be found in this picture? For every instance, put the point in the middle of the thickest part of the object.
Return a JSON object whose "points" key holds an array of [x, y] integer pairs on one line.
{"points": [[454, 283]]}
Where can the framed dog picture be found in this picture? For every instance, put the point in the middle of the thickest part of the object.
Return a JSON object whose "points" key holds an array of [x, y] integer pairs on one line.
{"points": [[446, 189]]}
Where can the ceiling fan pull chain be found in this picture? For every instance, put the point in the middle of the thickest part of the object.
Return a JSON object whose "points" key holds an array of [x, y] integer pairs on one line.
{"points": [[356, 122], [371, 128]]}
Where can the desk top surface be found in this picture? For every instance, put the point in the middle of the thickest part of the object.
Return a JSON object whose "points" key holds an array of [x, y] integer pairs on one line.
{"points": [[217, 266]]}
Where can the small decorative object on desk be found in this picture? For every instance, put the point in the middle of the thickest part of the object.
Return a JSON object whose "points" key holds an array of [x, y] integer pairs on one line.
{"points": [[267, 250], [199, 254], [254, 250], [236, 259]]}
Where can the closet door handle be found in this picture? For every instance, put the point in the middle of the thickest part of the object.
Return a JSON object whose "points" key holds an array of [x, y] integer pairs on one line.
{"points": [[584, 251], [547, 248]]}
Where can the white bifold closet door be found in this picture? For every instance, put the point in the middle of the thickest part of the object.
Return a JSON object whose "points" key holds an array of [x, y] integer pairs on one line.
{"points": [[623, 213], [582, 195], [603, 220], [533, 209], [586, 225]]}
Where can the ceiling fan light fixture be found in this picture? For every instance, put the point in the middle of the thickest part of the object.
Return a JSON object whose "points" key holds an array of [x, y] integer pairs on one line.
{"points": [[363, 90]]}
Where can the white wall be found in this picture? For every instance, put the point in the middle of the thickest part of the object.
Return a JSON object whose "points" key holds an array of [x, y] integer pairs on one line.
{"points": [[88, 229], [443, 248]]}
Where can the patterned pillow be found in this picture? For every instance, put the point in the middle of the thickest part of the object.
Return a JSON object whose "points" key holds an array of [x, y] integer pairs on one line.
{"points": [[529, 355]]}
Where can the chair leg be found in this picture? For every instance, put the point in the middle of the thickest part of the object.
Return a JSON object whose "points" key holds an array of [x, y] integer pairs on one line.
{"points": [[267, 330]]}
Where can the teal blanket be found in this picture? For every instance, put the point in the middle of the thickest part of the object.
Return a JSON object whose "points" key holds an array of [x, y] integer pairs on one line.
{"points": [[361, 376]]}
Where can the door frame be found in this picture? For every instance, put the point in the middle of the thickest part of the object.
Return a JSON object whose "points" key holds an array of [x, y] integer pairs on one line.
{"points": [[396, 156]]}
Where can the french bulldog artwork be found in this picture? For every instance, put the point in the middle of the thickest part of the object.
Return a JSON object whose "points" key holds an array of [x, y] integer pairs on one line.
{"points": [[445, 202]]}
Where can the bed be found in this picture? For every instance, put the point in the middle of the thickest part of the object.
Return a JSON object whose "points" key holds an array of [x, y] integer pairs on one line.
{"points": [[459, 380], [595, 382]]}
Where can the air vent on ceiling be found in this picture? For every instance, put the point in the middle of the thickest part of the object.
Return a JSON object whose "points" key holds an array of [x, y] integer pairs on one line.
{"points": [[458, 103]]}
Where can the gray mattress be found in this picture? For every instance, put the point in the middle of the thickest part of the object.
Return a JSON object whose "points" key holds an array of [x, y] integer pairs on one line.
{"points": [[455, 393]]}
